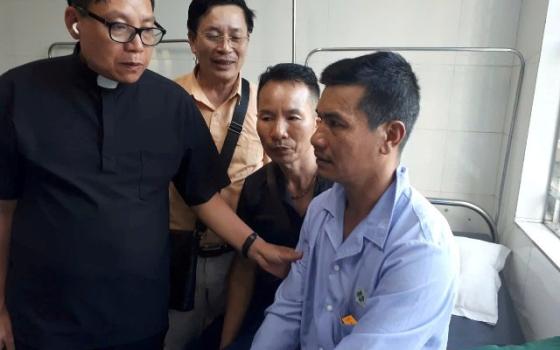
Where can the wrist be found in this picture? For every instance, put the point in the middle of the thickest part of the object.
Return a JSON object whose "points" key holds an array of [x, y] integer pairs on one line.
{"points": [[249, 242]]}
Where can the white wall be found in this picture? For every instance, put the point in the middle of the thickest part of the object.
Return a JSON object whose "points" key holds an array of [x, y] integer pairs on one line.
{"points": [[533, 280], [29, 27]]}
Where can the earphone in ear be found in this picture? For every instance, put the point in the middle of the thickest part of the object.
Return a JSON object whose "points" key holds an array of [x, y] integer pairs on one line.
{"points": [[75, 28]]}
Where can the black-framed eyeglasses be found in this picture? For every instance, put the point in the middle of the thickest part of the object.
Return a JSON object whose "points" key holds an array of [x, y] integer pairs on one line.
{"points": [[124, 33]]}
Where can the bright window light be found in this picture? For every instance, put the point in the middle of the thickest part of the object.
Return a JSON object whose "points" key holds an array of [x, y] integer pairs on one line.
{"points": [[552, 213]]}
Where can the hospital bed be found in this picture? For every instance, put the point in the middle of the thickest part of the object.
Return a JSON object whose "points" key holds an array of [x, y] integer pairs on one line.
{"points": [[465, 333]]}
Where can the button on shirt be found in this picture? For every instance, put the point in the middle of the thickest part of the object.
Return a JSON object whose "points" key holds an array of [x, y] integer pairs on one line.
{"points": [[247, 157], [90, 168], [395, 274]]}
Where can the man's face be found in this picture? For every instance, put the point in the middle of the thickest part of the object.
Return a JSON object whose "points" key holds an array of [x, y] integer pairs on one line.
{"points": [[347, 150], [286, 121], [220, 43], [121, 62]]}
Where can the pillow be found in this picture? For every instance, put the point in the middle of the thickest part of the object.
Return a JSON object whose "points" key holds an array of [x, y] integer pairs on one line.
{"points": [[479, 279]]}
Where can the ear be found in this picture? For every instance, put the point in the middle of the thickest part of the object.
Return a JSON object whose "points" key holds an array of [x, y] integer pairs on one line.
{"points": [[395, 132], [71, 19], [192, 38]]}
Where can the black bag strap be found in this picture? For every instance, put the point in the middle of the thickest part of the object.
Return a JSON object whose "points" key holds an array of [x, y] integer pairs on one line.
{"points": [[235, 127], [234, 130]]}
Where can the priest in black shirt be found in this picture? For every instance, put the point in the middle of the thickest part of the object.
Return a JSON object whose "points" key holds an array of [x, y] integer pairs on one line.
{"points": [[88, 145]]}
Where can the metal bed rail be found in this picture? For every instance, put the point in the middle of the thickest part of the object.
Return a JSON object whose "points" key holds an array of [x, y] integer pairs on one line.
{"points": [[468, 205], [514, 112], [70, 44], [436, 201]]}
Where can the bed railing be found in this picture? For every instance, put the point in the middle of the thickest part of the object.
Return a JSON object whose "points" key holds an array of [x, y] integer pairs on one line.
{"points": [[468, 205], [436, 201], [514, 111]]}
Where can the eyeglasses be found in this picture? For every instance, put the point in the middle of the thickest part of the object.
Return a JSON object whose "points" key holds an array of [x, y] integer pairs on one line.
{"points": [[124, 33], [233, 41]]}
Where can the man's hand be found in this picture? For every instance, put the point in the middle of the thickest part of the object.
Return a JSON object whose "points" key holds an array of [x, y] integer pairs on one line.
{"points": [[6, 336], [273, 258], [219, 217]]}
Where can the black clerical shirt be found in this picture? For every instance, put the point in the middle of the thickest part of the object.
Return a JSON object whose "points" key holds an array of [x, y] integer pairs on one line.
{"points": [[90, 168]]}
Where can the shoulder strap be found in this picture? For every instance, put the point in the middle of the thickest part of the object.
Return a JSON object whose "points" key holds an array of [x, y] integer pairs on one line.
{"points": [[234, 130], [235, 127]]}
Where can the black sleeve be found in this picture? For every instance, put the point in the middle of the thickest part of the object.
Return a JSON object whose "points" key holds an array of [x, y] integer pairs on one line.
{"points": [[250, 203], [11, 177], [243, 206], [200, 175]]}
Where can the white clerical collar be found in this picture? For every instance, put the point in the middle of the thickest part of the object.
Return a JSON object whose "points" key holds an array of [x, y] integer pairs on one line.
{"points": [[106, 83]]}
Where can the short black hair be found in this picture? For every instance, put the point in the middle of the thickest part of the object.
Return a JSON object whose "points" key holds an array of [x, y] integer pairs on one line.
{"points": [[199, 8], [85, 3], [293, 72], [391, 88]]}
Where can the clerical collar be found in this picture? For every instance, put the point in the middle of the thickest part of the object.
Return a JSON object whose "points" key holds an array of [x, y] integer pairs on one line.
{"points": [[106, 83], [102, 81]]}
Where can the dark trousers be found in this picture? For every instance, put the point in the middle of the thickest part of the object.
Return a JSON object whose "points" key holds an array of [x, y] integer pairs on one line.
{"points": [[151, 343], [210, 338]]}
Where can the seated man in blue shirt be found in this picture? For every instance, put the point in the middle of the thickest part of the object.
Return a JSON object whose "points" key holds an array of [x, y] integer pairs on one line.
{"points": [[379, 269]]}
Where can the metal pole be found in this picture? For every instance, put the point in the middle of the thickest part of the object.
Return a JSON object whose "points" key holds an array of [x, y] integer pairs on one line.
{"points": [[294, 16], [400, 48]]}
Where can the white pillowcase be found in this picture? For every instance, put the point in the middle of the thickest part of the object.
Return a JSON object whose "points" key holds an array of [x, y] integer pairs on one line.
{"points": [[479, 279]]}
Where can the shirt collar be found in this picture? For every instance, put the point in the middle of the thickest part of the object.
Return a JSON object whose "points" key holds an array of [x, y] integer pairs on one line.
{"points": [[376, 225], [106, 83], [320, 185], [200, 96], [89, 74]]}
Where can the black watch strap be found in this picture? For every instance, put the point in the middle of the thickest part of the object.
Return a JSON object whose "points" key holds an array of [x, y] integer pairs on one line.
{"points": [[248, 243]]}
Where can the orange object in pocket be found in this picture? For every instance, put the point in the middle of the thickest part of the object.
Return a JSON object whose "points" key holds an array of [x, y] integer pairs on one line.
{"points": [[349, 320]]}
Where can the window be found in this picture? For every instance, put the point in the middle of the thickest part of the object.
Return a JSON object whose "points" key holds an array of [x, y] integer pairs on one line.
{"points": [[552, 212]]}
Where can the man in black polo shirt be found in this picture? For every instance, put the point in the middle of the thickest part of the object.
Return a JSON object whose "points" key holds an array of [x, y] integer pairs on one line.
{"points": [[88, 145]]}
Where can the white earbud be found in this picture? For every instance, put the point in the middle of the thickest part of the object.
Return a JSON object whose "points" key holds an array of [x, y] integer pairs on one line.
{"points": [[75, 28]]}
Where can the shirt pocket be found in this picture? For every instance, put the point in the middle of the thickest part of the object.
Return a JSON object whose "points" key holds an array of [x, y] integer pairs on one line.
{"points": [[157, 171]]}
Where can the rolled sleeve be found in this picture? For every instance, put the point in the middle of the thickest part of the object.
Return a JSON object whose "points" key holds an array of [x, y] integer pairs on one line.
{"points": [[11, 177], [416, 276], [200, 174]]}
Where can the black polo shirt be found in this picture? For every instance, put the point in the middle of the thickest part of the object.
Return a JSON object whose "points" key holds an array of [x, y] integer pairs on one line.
{"points": [[90, 168], [265, 205]]}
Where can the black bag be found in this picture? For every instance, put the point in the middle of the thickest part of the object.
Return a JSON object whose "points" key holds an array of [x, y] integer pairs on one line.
{"points": [[184, 251], [185, 244]]}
